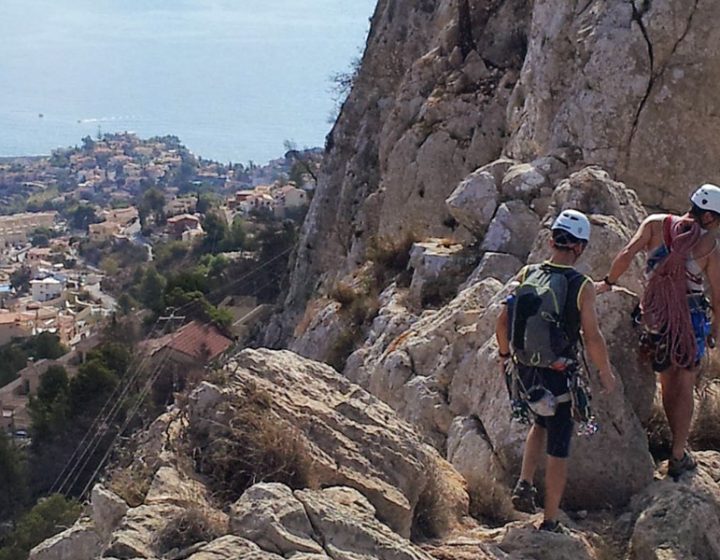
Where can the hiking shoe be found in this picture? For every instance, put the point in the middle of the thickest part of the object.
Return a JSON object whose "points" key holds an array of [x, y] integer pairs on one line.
{"points": [[524, 497], [679, 466], [552, 527]]}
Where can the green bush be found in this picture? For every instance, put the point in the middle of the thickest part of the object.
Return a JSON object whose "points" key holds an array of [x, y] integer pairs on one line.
{"points": [[49, 517]]}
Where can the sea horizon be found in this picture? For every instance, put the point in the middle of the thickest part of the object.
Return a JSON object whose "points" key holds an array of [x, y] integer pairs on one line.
{"points": [[231, 79]]}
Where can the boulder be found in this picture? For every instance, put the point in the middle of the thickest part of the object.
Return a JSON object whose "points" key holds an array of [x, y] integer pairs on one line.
{"points": [[171, 487], [680, 520], [79, 542], [475, 68], [338, 522], [500, 266], [355, 440], [270, 516], [474, 202], [136, 536], [513, 230], [439, 267], [523, 541], [615, 213], [524, 181], [107, 509], [231, 547], [345, 523], [592, 191]]}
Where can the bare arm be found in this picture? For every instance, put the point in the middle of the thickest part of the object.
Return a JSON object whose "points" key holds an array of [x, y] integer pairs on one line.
{"points": [[501, 331], [713, 276], [639, 242], [593, 338]]}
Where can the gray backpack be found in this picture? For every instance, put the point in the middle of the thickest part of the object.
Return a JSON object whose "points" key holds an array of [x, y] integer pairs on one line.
{"points": [[538, 333]]}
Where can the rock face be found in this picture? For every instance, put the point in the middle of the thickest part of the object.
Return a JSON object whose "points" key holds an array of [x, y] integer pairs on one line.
{"points": [[680, 520], [474, 202], [512, 230], [441, 373], [438, 268], [443, 92], [332, 523]]}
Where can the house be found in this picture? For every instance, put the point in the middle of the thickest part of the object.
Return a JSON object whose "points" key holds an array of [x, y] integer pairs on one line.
{"points": [[122, 216], [46, 289], [289, 197], [15, 325], [182, 205], [37, 254], [17, 227], [103, 231], [182, 356], [177, 225]]}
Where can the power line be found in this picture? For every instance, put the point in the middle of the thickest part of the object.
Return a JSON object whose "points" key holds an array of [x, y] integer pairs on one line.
{"points": [[105, 419]]}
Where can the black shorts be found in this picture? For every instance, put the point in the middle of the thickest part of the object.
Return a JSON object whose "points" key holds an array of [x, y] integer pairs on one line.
{"points": [[560, 426]]}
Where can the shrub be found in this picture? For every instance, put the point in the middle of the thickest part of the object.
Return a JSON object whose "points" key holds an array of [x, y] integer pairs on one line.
{"points": [[434, 513], [255, 445], [490, 502], [132, 484], [343, 293], [389, 255], [343, 346], [187, 528], [50, 516]]}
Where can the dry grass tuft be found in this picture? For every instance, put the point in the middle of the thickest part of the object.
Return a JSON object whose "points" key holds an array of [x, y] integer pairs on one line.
{"points": [[132, 484], [188, 528], [490, 502], [442, 504], [254, 446], [344, 293], [391, 255]]}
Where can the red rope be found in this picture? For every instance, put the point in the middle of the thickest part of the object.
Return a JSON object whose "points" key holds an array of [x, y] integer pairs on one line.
{"points": [[665, 306]]}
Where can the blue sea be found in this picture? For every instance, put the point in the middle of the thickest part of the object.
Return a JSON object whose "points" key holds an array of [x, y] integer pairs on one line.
{"points": [[233, 79]]}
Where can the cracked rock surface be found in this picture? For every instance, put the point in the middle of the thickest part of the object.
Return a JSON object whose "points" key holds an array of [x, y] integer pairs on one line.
{"points": [[626, 85]]}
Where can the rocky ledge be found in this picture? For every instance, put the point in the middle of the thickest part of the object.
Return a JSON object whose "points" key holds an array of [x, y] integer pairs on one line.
{"points": [[282, 457]]}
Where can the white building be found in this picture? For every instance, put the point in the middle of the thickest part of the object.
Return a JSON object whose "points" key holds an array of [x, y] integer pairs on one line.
{"points": [[46, 289]]}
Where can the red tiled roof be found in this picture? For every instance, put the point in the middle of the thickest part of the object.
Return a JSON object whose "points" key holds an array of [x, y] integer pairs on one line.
{"points": [[201, 342]]}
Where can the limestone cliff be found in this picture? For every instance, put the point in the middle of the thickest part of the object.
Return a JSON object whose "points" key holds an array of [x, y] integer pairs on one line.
{"points": [[447, 86]]}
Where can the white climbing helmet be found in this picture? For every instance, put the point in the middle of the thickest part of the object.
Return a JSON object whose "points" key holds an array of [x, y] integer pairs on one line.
{"points": [[707, 197], [575, 223]]}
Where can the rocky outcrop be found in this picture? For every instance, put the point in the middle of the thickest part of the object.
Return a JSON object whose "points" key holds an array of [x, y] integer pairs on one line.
{"points": [[475, 200], [335, 522], [680, 520], [379, 480], [439, 267], [441, 373], [443, 92], [386, 461]]}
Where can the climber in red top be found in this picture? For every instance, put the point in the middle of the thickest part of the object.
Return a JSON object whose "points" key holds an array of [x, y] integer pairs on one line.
{"points": [[674, 312]]}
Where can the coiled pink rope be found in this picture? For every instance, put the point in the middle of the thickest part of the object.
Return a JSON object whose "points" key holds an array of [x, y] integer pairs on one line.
{"points": [[665, 306]]}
